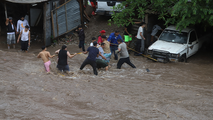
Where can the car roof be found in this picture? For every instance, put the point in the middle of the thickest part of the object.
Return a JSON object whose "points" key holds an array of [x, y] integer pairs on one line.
{"points": [[172, 27]]}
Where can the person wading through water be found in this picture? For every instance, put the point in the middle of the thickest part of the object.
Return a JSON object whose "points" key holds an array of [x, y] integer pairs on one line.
{"points": [[62, 59], [124, 55], [45, 55], [91, 59]]}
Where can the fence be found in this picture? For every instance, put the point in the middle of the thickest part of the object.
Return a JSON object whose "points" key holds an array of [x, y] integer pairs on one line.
{"points": [[66, 18]]}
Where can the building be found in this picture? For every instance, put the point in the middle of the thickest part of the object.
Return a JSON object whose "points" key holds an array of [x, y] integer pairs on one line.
{"points": [[48, 18]]}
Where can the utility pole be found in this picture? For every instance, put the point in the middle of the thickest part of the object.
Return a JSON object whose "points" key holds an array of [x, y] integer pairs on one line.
{"points": [[5, 8]]}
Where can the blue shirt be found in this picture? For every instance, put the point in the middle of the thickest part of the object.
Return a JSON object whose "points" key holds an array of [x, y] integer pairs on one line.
{"points": [[102, 53], [113, 39], [93, 52]]}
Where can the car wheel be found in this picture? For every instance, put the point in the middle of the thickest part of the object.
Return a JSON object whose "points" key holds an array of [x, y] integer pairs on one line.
{"points": [[183, 59]]}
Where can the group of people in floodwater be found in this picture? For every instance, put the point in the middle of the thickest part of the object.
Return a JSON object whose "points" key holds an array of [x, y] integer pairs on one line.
{"points": [[100, 50]]}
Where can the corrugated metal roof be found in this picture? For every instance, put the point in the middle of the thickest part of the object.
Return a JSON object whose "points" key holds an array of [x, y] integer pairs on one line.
{"points": [[26, 1]]}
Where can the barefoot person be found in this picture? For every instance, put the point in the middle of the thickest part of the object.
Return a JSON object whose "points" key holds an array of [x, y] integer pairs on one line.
{"points": [[91, 59], [124, 55], [45, 55], [25, 38], [11, 30], [62, 59]]}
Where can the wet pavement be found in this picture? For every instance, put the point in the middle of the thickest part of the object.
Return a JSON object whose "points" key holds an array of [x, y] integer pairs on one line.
{"points": [[174, 91]]}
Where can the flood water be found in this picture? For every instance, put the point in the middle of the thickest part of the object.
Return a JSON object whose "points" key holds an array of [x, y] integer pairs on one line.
{"points": [[176, 91]]}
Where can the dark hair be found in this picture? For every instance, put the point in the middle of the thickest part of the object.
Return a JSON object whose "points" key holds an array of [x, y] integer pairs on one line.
{"points": [[27, 26], [63, 47], [79, 26], [116, 31], [119, 40], [43, 47], [102, 44], [93, 38], [95, 43], [143, 23]]}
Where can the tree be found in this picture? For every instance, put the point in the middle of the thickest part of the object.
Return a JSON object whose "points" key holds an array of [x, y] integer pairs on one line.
{"points": [[181, 13]]}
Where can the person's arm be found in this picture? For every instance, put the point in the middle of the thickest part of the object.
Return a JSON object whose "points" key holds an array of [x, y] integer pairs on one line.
{"points": [[127, 32], [86, 52], [7, 22], [57, 51], [18, 25], [119, 37], [102, 56], [70, 56], [109, 38], [38, 56], [50, 56], [19, 37], [119, 48], [29, 38], [141, 33]]}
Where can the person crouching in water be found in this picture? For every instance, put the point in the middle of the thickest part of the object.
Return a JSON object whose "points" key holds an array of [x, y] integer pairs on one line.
{"points": [[124, 55], [45, 55], [101, 60], [62, 59], [25, 38]]}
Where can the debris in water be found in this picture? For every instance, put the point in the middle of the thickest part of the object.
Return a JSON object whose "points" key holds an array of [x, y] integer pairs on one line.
{"points": [[147, 70]]}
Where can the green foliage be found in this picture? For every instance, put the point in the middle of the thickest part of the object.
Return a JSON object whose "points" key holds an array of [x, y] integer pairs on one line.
{"points": [[178, 12]]}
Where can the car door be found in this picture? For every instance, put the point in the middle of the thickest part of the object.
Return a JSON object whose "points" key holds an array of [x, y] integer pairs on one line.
{"points": [[192, 44]]}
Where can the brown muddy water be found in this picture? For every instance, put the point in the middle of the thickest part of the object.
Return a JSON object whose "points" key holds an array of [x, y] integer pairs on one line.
{"points": [[176, 91]]}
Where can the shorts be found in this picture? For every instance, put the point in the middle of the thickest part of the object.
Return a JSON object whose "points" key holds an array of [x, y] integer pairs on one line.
{"points": [[63, 67], [107, 56], [47, 66], [127, 38], [101, 63], [11, 39]]}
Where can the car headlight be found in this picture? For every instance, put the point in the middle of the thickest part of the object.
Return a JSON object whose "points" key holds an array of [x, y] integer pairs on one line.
{"points": [[175, 55], [149, 51]]}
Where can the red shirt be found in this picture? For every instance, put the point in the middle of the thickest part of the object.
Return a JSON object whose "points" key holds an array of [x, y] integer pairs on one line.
{"points": [[100, 40]]}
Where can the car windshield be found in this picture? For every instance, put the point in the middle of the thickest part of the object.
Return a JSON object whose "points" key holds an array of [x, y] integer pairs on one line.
{"points": [[174, 36]]}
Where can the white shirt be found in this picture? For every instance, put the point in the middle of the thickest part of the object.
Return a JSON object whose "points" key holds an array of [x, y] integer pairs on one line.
{"points": [[21, 25], [155, 29], [91, 44], [25, 35], [140, 29]]}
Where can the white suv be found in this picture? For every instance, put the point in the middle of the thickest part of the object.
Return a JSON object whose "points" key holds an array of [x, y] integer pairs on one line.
{"points": [[105, 7]]}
